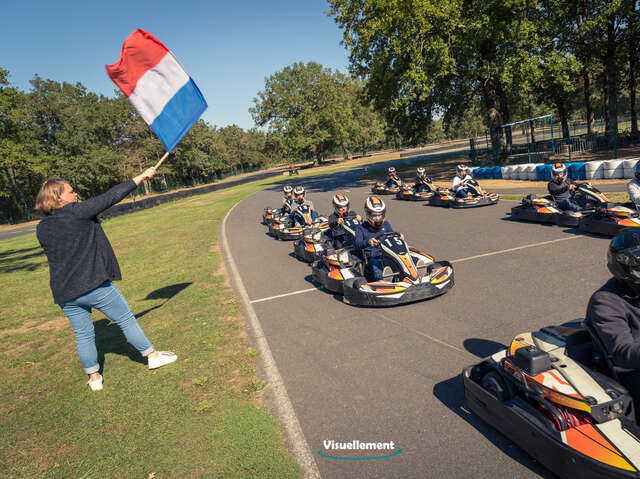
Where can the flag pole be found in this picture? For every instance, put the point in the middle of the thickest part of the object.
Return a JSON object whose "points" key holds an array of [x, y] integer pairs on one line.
{"points": [[164, 157]]}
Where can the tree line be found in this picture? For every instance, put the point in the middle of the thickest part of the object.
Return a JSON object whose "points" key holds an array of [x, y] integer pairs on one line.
{"points": [[57, 129], [427, 60]]}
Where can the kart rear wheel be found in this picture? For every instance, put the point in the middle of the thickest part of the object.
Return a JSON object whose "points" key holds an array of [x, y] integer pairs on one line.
{"points": [[496, 385]]}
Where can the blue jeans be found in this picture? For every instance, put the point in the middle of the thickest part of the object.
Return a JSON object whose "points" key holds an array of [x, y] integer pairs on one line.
{"points": [[375, 267], [569, 204], [461, 193], [107, 299]]}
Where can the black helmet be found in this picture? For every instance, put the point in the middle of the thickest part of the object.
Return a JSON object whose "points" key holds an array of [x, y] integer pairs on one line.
{"points": [[637, 170], [374, 206], [340, 201], [623, 258]]}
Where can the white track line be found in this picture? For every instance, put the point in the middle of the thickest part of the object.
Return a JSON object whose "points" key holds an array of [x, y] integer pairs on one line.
{"points": [[300, 448], [283, 295], [533, 245]]}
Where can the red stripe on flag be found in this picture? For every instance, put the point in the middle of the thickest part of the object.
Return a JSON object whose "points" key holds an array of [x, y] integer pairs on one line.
{"points": [[141, 51]]}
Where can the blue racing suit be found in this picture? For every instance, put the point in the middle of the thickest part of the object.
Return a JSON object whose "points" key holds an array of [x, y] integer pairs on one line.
{"points": [[372, 254]]}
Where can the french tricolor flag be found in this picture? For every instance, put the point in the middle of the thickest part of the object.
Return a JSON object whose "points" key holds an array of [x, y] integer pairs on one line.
{"points": [[158, 87]]}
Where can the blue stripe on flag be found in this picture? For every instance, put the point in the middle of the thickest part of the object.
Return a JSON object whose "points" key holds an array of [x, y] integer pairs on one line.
{"points": [[182, 111]]}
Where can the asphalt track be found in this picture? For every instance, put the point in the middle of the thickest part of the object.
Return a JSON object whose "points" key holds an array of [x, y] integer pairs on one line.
{"points": [[393, 374]]}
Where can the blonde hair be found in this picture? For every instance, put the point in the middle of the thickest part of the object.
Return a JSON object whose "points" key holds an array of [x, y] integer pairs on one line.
{"points": [[50, 191]]}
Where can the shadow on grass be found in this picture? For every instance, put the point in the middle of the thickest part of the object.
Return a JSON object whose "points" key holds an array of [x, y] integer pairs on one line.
{"points": [[9, 262], [109, 337], [451, 393]]}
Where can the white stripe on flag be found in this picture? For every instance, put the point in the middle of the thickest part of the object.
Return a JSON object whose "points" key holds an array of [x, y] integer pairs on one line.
{"points": [[157, 86]]}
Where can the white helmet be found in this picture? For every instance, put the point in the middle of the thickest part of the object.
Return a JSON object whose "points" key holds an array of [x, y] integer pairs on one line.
{"points": [[392, 171], [298, 192], [287, 189], [374, 206], [558, 171], [421, 173], [462, 170], [340, 201]]}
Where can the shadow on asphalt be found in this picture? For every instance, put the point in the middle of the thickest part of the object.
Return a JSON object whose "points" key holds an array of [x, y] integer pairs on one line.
{"points": [[451, 393], [482, 347]]}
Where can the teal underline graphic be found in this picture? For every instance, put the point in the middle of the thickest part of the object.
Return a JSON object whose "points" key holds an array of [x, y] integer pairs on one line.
{"points": [[359, 458]]}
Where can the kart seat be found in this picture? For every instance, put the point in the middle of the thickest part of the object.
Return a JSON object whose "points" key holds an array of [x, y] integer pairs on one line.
{"points": [[601, 356]]}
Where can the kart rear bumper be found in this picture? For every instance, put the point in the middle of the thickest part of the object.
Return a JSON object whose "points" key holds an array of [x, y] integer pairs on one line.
{"points": [[321, 277], [460, 203], [515, 422], [599, 225], [530, 214], [413, 196], [285, 235], [300, 251]]}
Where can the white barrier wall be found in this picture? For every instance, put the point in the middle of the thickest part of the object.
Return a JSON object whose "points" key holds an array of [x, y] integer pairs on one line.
{"points": [[532, 172], [505, 171], [629, 167], [613, 169], [594, 170]]}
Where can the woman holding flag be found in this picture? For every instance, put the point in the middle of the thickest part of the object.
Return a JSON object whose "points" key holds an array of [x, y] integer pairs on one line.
{"points": [[82, 266]]}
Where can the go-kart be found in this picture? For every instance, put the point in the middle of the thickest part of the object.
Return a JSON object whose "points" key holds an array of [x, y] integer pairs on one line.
{"points": [[414, 275], [293, 232], [599, 216], [386, 189], [475, 197], [424, 191], [609, 219], [270, 214], [315, 241], [553, 394]]}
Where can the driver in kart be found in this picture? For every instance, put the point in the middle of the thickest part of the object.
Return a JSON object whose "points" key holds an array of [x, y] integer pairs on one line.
{"points": [[633, 188], [459, 184], [287, 200], [561, 187], [423, 183], [392, 178], [296, 217], [614, 310], [336, 220], [368, 233]]}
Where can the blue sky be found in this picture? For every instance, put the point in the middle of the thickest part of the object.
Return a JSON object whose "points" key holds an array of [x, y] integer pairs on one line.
{"points": [[228, 47]]}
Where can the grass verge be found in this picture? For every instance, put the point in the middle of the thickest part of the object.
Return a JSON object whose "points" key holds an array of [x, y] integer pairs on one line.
{"points": [[200, 417]]}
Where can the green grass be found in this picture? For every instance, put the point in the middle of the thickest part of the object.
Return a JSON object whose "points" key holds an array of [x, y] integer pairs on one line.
{"points": [[200, 417]]}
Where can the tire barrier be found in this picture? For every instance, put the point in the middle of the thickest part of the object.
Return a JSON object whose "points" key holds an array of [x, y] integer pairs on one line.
{"points": [[577, 170]]}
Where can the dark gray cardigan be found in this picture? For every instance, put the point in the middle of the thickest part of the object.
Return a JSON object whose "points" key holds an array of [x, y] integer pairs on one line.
{"points": [[79, 254]]}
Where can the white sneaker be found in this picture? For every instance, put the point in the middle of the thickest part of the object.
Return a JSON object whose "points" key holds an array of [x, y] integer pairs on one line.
{"points": [[164, 358], [96, 385]]}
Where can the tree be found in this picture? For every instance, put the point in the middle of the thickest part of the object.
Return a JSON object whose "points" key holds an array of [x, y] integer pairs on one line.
{"points": [[311, 110]]}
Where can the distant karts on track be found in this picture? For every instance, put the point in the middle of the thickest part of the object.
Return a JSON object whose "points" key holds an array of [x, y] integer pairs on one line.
{"points": [[599, 216]]}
